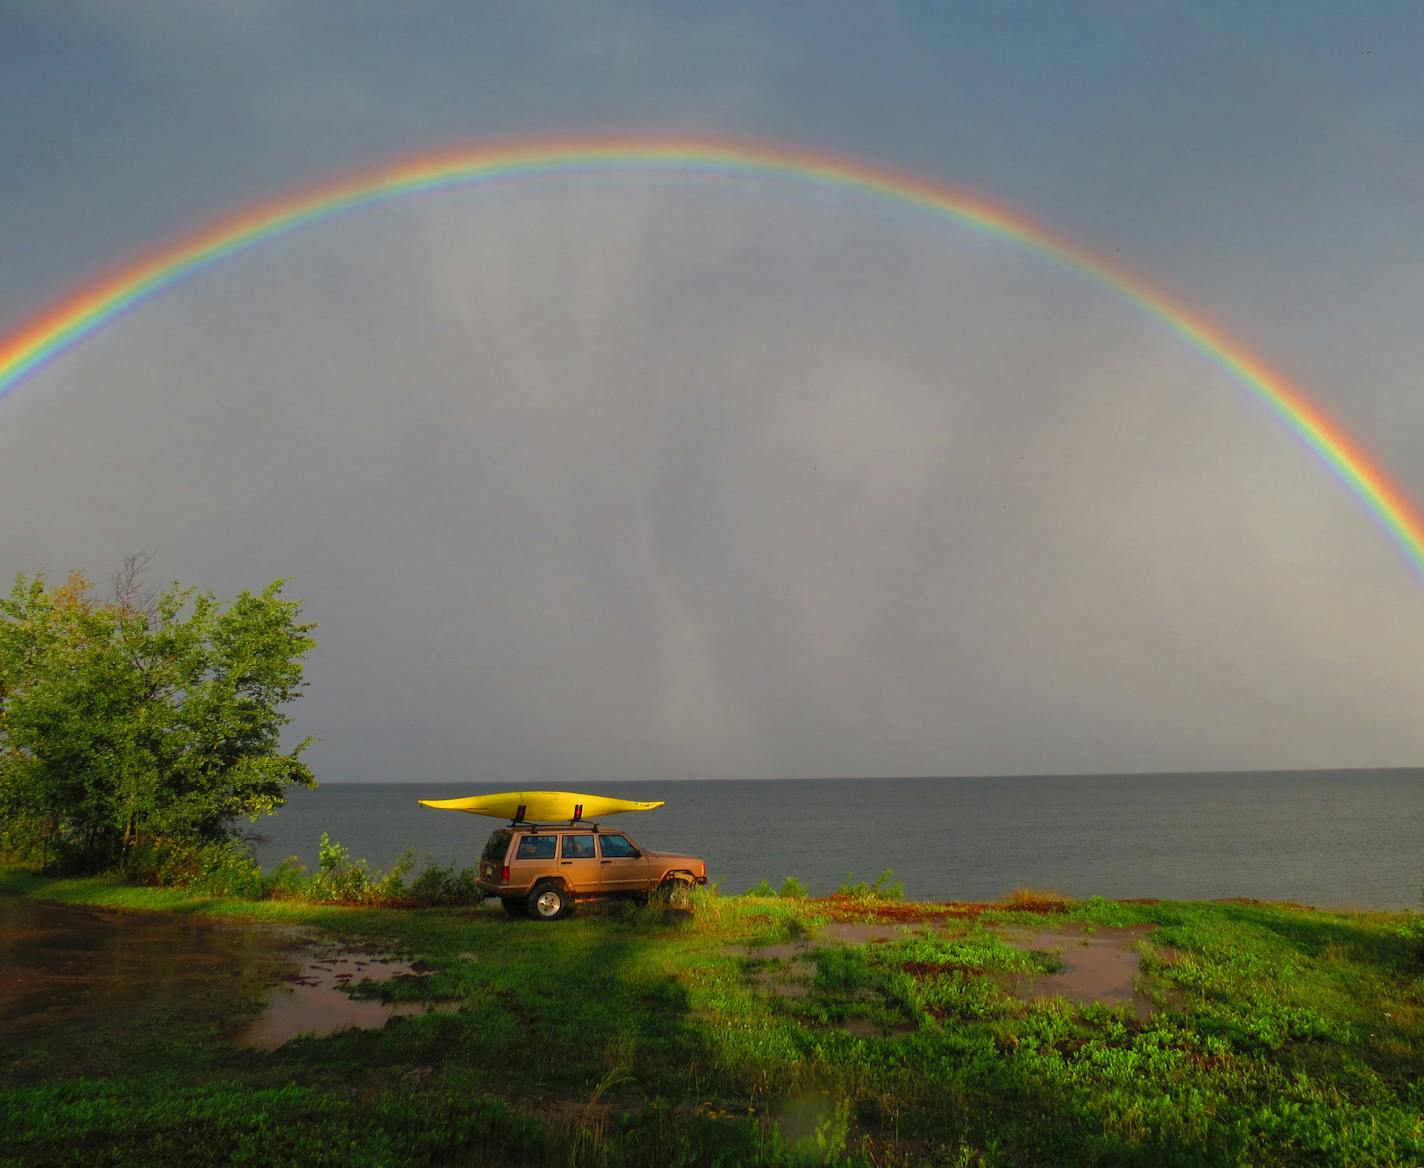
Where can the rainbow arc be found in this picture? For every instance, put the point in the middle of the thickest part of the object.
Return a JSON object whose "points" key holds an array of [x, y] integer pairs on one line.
{"points": [[66, 323]]}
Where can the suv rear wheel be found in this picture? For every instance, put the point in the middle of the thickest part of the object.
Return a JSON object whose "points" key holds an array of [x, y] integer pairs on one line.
{"points": [[549, 902]]}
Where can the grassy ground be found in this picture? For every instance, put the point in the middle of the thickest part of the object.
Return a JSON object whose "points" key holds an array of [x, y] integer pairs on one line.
{"points": [[638, 1037]]}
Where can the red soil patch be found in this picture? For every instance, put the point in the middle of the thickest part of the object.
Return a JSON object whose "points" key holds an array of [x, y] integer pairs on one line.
{"points": [[850, 908]]}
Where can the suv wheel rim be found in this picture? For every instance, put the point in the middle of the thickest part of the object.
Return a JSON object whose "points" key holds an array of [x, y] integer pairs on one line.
{"points": [[549, 903]]}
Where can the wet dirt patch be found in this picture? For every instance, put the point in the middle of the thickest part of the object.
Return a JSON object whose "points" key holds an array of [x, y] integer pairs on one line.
{"points": [[79, 986], [791, 981], [864, 932], [1098, 967], [866, 1028], [833, 932], [317, 1000], [74, 974]]}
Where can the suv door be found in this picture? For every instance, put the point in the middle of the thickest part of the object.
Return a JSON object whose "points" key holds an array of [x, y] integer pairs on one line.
{"points": [[578, 862], [625, 868]]}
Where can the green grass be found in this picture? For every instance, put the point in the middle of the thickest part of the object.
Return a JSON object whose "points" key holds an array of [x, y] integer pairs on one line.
{"points": [[636, 1037]]}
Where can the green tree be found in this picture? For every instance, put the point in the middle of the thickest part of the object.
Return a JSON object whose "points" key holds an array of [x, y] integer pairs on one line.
{"points": [[142, 719]]}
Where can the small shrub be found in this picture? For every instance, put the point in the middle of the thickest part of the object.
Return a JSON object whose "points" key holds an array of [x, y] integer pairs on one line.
{"points": [[390, 885], [220, 869], [441, 884], [223, 870], [793, 889], [879, 889], [338, 877], [1040, 899], [1411, 932], [288, 880]]}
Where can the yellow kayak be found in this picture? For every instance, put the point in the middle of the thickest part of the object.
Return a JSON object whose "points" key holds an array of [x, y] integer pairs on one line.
{"points": [[541, 806]]}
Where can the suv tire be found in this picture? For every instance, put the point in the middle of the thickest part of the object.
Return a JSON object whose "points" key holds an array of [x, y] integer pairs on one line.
{"points": [[676, 893], [515, 908], [549, 902]]}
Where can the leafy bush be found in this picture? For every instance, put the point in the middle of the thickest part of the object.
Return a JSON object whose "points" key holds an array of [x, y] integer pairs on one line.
{"points": [[793, 889], [221, 869], [224, 870], [1411, 932], [879, 889], [1040, 898], [140, 720], [340, 878], [288, 880], [441, 884]]}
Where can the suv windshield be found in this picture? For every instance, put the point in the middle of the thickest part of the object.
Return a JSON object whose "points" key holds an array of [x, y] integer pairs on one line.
{"points": [[497, 846]]}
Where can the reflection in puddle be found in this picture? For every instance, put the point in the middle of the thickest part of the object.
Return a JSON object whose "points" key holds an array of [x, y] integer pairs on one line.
{"points": [[787, 981], [1100, 966], [90, 980], [316, 1000], [845, 932], [76, 973]]}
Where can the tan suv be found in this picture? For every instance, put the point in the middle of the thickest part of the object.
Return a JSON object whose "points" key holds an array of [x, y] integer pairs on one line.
{"points": [[540, 871]]}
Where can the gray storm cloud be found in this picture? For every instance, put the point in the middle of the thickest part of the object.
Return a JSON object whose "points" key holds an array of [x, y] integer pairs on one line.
{"points": [[702, 478]]}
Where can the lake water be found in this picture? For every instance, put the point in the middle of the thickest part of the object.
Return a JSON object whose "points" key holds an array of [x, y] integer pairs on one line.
{"points": [[1324, 838]]}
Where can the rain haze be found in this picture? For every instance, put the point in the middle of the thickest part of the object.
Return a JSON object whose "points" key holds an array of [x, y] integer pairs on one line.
{"points": [[595, 475]]}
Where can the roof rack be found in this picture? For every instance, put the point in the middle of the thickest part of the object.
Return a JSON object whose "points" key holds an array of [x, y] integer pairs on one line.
{"points": [[577, 820]]}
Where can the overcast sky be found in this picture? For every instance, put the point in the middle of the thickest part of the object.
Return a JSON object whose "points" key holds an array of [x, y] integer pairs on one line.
{"points": [[592, 477]]}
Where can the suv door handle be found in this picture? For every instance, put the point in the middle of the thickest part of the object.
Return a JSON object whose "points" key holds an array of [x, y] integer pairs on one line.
{"points": [[565, 861], [605, 861]]}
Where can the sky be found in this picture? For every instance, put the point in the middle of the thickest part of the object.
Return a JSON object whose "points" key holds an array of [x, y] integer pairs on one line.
{"points": [[599, 477]]}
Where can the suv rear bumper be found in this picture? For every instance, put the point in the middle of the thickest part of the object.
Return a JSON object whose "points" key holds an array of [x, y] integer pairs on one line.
{"points": [[492, 889]]}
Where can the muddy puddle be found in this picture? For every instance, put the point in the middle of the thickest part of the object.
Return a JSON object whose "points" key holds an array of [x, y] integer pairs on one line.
{"points": [[83, 970], [1099, 965], [843, 932], [89, 981], [317, 1000]]}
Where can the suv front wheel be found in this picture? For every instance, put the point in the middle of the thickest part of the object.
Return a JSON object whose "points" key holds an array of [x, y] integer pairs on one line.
{"points": [[549, 902], [674, 892]]}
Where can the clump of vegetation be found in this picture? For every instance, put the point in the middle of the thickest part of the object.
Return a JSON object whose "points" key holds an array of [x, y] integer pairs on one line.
{"points": [[443, 885], [1039, 900], [791, 888], [881, 888], [340, 878], [135, 731]]}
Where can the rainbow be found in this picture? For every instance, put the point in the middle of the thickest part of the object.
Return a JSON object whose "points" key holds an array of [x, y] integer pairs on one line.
{"points": [[99, 301]]}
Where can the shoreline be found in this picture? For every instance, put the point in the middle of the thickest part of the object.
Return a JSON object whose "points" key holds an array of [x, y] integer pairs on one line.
{"points": [[110, 893]]}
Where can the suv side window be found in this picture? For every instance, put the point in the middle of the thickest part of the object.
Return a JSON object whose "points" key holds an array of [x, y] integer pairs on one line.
{"points": [[578, 847], [536, 847], [616, 847]]}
